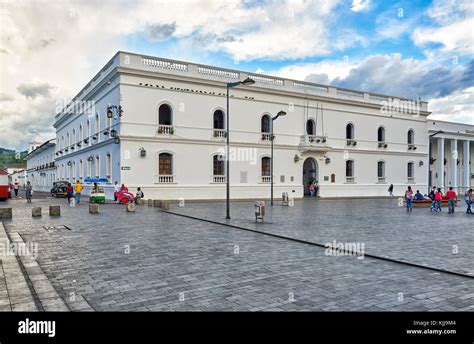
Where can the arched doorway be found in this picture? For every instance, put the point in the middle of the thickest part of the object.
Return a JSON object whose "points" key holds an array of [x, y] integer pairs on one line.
{"points": [[310, 173]]}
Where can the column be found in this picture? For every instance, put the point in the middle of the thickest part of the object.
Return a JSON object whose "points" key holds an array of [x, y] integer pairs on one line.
{"points": [[466, 167], [453, 166], [440, 163]]}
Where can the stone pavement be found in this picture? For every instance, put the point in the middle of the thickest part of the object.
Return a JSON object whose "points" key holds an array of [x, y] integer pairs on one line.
{"points": [[153, 260]]}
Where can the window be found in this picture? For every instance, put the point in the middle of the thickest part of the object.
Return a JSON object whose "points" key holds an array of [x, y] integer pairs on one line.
{"points": [[89, 168], [165, 164], [68, 139], [97, 166], [218, 119], [349, 171], [411, 171], [411, 137], [310, 127], [108, 166], [265, 124], [381, 171], [218, 165], [80, 169], [164, 115], [81, 134], [350, 131], [97, 123], [73, 171], [381, 134], [266, 166]]}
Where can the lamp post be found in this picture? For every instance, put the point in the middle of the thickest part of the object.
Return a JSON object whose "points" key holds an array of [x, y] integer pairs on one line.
{"points": [[281, 113], [429, 157], [245, 82]]}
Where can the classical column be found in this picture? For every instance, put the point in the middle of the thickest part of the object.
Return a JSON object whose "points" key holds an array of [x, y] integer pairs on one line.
{"points": [[453, 165], [440, 163], [466, 168]]}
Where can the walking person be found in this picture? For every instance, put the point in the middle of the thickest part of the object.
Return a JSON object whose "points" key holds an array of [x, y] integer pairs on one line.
{"points": [[468, 200], [29, 192], [139, 195], [16, 187], [452, 197], [311, 189], [438, 199], [78, 188], [316, 189], [69, 192], [432, 197], [390, 190], [409, 198], [116, 191]]}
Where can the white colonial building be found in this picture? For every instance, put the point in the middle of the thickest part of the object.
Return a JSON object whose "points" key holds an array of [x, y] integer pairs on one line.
{"points": [[161, 125], [452, 151], [40, 165]]}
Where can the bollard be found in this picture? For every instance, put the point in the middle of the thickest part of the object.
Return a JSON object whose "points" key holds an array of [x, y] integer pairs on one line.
{"points": [[54, 210], [165, 205], [5, 213], [93, 208], [36, 212], [150, 203], [140, 201], [156, 203], [131, 207]]}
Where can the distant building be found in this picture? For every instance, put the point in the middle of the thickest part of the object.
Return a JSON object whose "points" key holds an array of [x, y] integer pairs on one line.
{"points": [[41, 168], [19, 176]]}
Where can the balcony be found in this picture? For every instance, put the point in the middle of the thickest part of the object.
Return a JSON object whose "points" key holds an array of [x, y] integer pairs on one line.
{"points": [[220, 133], [381, 180], [165, 129], [218, 179], [313, 143], [410, 179], [165, 179], [411, 147], [266, 137], [382, 145], [351, 142], [350, 180], [265, 179]]}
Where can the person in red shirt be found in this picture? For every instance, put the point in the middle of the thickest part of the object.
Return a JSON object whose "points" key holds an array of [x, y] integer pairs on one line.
{"points": [[438, 200], [452, 197]]}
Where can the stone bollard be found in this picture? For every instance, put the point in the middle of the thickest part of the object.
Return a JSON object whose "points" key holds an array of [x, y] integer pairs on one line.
{"points": [[131, 207], [156, 203], [5, 213], [36, 212], [54, 210], [93, 208], [165, 205], [150, 203], [140, 201]]}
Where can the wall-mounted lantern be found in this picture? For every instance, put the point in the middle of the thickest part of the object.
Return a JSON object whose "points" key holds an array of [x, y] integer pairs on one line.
{"points": [[421, 163], [90, 158], [142, 152], [69, 163], [328, 160], [113, 133], [296, 158], [117, 140]]}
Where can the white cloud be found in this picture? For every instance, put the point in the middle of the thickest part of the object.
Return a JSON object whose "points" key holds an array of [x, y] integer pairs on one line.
{"points": [[360, 5], [457, 107]]}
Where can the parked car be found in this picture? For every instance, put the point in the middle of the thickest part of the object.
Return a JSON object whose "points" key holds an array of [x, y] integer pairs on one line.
{"points": [[59, 189]]}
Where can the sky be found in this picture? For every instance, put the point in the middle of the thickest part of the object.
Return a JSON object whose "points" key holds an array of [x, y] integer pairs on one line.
{"points": [[50, 49]]}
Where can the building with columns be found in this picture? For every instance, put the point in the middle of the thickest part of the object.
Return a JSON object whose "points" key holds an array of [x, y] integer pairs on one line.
{"points": [[161, 125], [452, 153], [40, 165]]}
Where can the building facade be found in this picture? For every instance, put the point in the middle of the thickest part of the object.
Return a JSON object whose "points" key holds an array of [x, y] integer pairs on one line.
{"points": [[40, 166], [162, 125]]}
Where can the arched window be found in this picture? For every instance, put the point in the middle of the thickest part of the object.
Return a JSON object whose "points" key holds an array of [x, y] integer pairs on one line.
{"points": [[411, 171], [88, 129], [97, 123], [381, 134], [164, 115], [68, 139], [165, 164], [310, 127], [218, 165], [349, 170], [97, 166], [73, 137], [62, 142], [266, 166], [218, 119], [81, 134], [350, 131], [381, 170], [411, 137], [108, 165], [265, 124]]}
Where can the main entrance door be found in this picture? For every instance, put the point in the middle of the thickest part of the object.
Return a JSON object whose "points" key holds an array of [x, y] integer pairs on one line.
{"points": [[310, 173]]}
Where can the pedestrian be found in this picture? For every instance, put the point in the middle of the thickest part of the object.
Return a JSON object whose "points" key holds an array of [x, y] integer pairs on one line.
{"points": [[438, 199], [409, 198], [452, 197], [95, 188], [468, 200], [29, 192], [311, 189], [316, 189], [78, 188], [390, 190], [431, 195], [419, 196], [139, 195], [116, 191], [16, 187], [69, 192]]}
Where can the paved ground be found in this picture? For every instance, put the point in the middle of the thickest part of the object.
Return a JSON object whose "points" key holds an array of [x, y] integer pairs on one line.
{"points": [[153, 260]]}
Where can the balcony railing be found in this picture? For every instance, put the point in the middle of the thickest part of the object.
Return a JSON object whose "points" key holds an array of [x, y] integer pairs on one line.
{"points": [[315, 139], [411, 179], [218, 179], [265, 179], [350, 179], [220, 133], [165, 129], [266, 137], [165, 179], [381, 179]]}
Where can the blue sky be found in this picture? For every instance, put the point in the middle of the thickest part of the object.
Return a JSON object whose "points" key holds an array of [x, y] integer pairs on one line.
{"points": [[50, 50]]}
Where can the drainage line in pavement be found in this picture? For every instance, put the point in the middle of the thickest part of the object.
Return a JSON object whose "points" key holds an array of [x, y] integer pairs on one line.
{"points": [[320, 245]]}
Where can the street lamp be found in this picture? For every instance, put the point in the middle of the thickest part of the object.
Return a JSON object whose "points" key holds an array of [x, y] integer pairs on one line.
{"points": [[429, 158], [245, 82], [281, 113]]}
